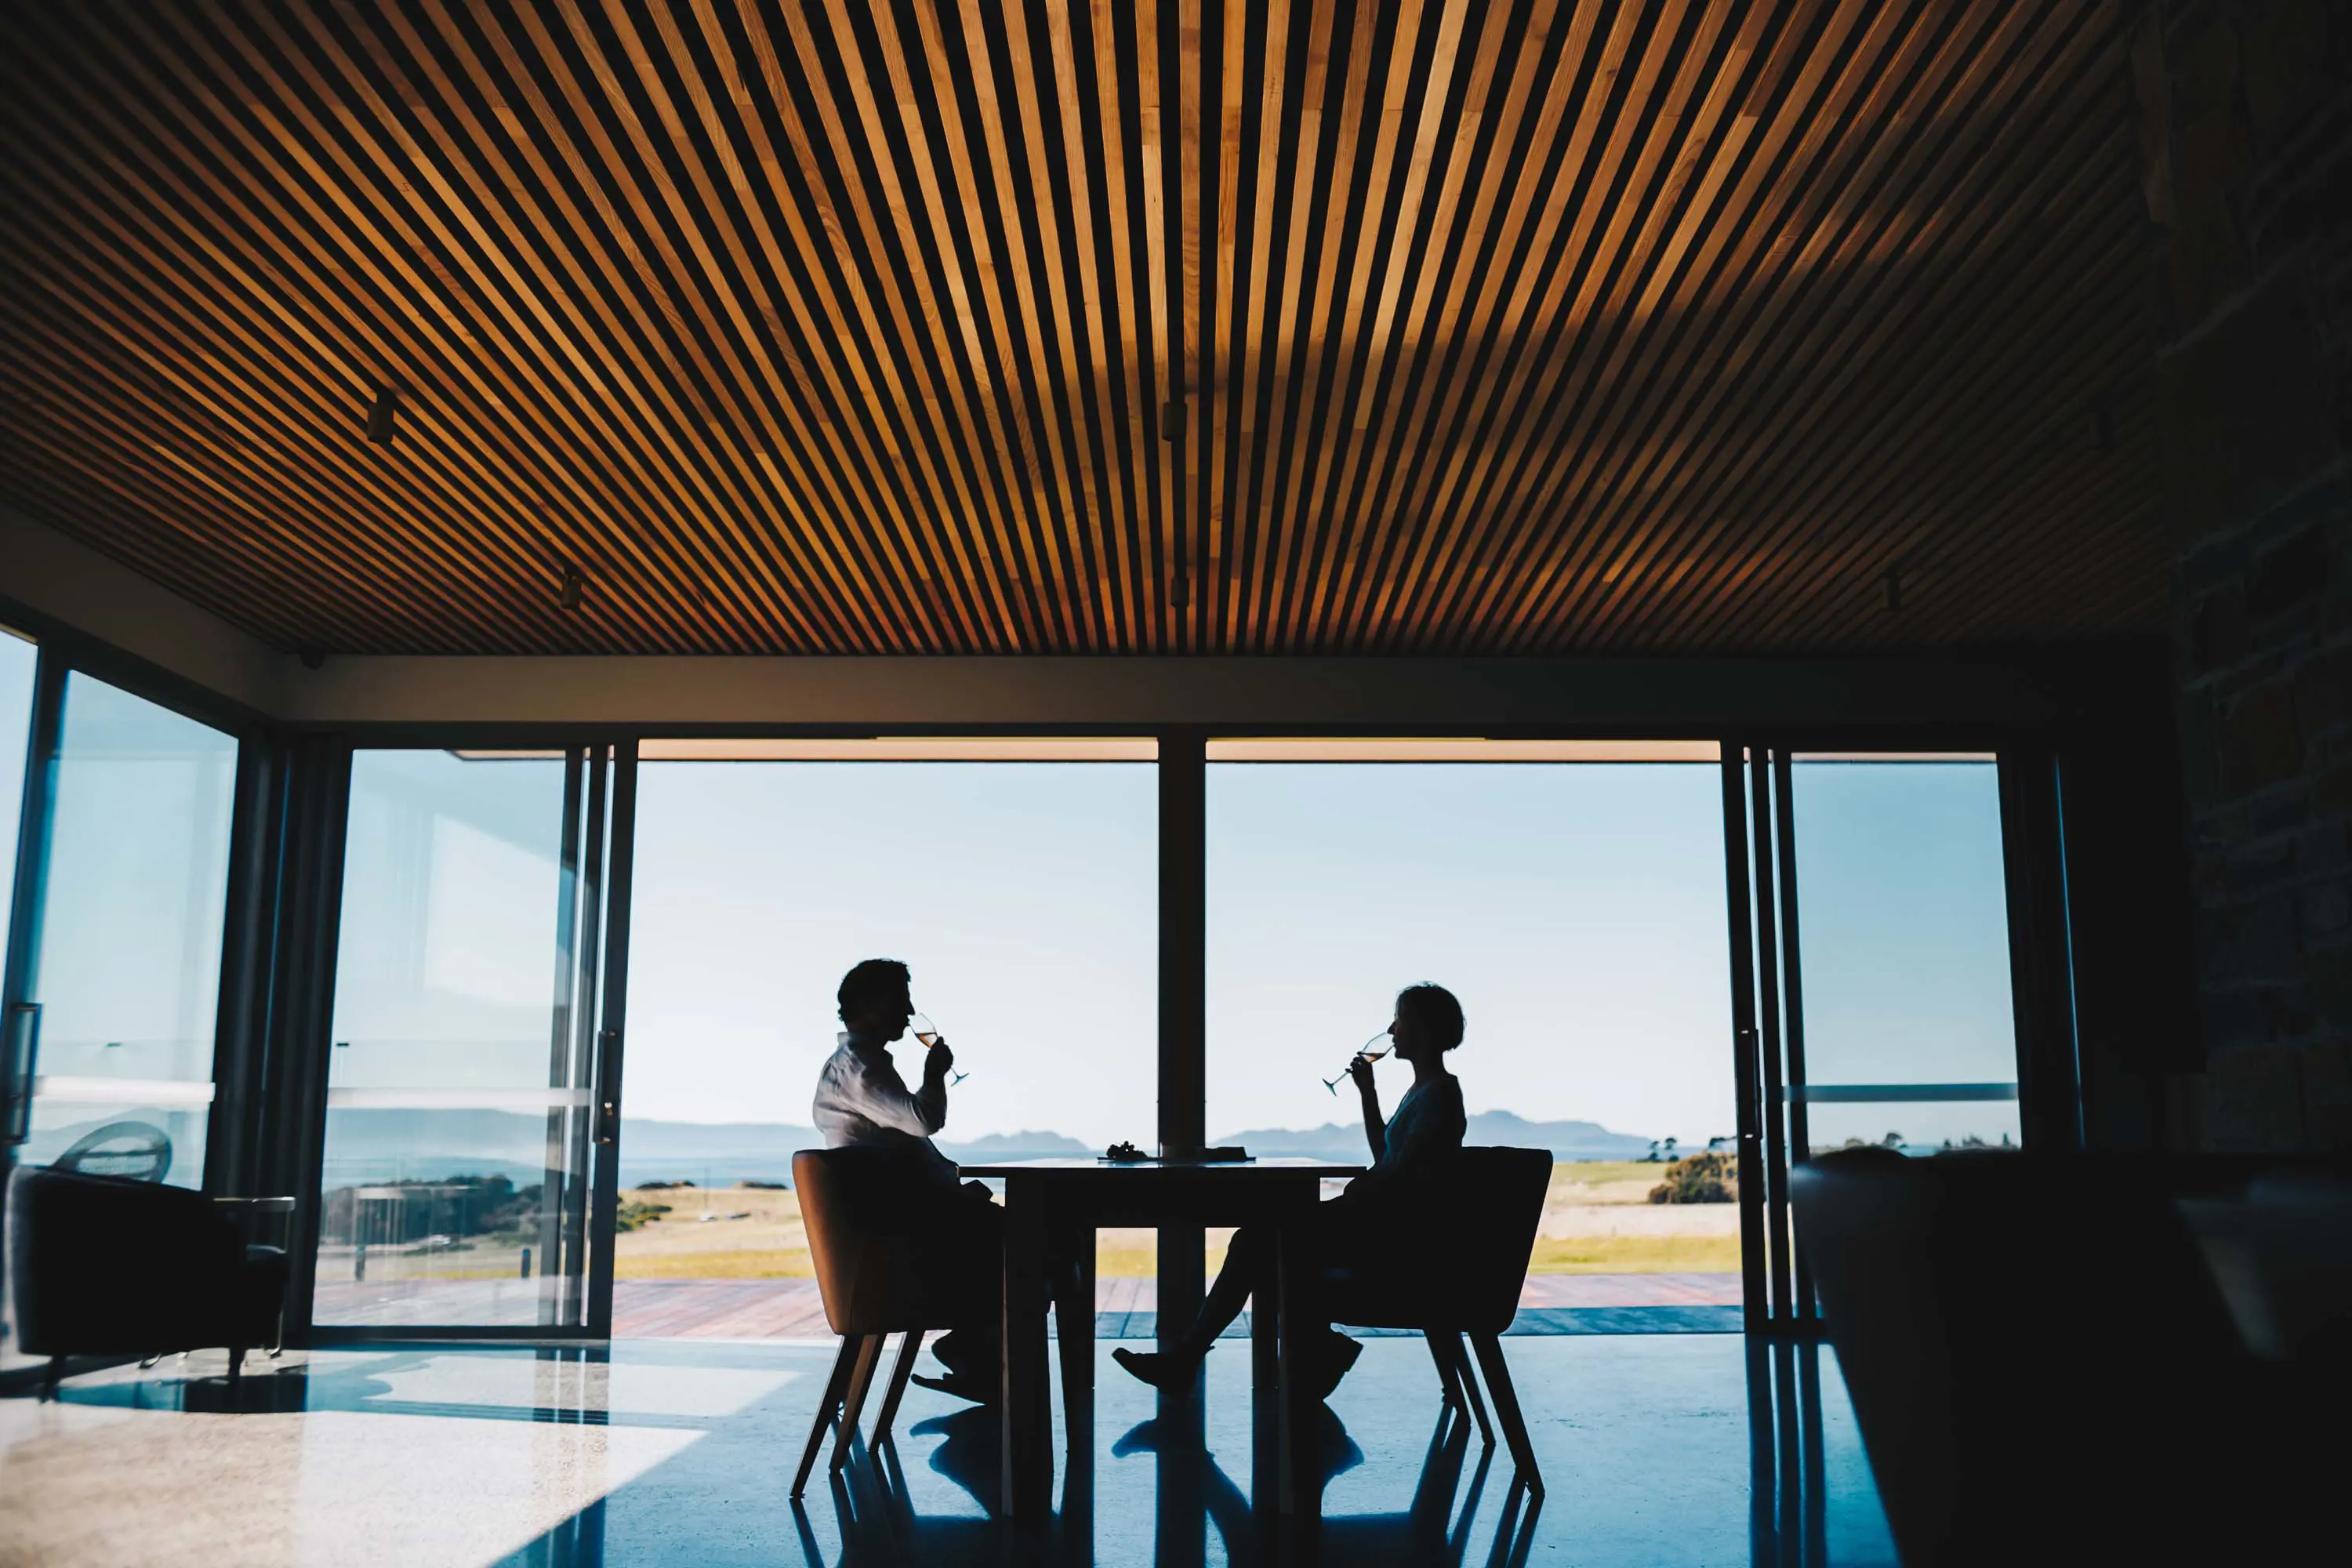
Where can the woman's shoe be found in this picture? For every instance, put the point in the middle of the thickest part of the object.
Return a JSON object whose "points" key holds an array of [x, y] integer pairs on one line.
{"points": [[1331, 1362], [1166, 1372]]}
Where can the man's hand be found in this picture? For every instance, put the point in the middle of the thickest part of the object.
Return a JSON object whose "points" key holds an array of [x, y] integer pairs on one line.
{"points": [[1360, 1069], [938, 1059]]}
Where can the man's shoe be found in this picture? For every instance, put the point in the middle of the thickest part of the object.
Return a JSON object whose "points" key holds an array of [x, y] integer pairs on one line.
{"points": [[979, 1390]]}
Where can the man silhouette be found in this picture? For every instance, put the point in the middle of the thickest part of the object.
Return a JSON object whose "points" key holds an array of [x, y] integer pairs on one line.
{"points": [[861, 1102]]}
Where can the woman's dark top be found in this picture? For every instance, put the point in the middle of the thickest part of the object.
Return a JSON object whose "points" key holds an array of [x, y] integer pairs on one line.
{"points": [[1428, 1125]]}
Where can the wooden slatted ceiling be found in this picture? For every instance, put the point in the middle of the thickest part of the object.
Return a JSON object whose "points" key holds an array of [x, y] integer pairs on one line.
{"points": [[1425, 325]]}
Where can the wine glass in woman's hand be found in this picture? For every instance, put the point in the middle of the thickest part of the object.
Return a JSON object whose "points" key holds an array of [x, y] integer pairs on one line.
{"points": [[1361, 1066]]}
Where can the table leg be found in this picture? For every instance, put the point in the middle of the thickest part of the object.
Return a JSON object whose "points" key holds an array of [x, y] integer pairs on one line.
{"points": [[1265, 1341], [1028, 1419], [1302, 1489], [1266, 1504], [1074, 1319]]}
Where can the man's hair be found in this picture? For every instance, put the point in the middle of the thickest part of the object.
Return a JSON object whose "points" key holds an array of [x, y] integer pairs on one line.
{"points": [[874, 981], [1434, 1008]]}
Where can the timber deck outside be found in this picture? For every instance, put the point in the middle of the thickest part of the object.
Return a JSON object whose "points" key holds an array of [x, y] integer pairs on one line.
{"points": [[1125, 1308]]}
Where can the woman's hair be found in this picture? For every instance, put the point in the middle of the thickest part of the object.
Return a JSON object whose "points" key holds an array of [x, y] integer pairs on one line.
{"points": [[1435, 1010], [877, 980]]}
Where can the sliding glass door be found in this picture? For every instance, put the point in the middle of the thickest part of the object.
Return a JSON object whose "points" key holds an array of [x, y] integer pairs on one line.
{"points": [[1872, 971], [1910, 1037], [462, 1098]]}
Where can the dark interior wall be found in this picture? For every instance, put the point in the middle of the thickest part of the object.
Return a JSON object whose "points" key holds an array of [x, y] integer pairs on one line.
{"points": [[2245, 115], [2127, 896]]}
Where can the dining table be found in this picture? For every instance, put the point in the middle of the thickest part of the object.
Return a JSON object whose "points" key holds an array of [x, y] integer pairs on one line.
{"points": [[1052, 1209]]}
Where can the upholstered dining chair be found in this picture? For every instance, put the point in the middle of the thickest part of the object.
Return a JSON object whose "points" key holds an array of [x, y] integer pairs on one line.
{"points": [[1456, 1274], [878, 1275]]}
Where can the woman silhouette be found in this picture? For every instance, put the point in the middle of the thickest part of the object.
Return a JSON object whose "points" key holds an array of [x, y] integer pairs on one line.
{"points": [[1409, 1149]]}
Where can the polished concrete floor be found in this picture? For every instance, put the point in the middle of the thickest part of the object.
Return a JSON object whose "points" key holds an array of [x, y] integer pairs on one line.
{"points": [[1680, 1448]]}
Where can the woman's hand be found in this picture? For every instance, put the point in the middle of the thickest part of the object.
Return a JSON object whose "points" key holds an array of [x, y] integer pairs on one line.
{"points": [[1360, 1069]]}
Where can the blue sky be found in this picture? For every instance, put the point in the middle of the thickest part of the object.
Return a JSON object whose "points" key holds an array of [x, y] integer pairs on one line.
{"points": [[1577, 910]]}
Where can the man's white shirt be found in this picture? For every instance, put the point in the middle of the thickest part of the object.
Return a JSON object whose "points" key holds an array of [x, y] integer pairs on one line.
{"points": [[861, 1100]]}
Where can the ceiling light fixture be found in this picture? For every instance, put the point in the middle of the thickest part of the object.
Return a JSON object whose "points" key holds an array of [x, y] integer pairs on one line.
{"points": [[569, 598], [382, 414]]}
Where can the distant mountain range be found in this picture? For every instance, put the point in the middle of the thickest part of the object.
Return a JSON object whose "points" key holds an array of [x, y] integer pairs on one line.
{"points": [[1345, 1141], [384, 1145]]}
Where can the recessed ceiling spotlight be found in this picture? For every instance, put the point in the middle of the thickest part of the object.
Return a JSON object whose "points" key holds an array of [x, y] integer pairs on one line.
{"points": [[382, 414]]}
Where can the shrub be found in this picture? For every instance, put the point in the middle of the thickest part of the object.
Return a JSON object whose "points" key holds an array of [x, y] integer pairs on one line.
{"points": [[633, 1214], [1697, 1179]]}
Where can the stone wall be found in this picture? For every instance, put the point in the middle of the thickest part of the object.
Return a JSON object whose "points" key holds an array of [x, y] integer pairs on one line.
{"points": [[2245, 118]]}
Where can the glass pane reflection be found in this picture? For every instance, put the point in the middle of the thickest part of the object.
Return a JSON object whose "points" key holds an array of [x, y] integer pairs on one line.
{"points": [[456, 1098], [128, 972]]}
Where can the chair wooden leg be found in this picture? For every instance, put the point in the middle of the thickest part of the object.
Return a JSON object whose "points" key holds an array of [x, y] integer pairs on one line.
{"points": [[835, 1386], [853, 1403], [1506, 1409], [1468, 1380], [1445, 1370], [908, 1349]]}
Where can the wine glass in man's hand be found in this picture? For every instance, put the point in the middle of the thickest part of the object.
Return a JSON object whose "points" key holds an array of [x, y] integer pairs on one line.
{"points": [[923, 1029]]}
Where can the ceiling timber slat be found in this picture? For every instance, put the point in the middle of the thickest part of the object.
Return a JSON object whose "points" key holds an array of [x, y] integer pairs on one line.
{"points": [[1004, 326]]}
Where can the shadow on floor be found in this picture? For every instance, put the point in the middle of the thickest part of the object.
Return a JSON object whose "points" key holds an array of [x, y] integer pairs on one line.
{"points": [[1186, 1509], [1664, 1449]]}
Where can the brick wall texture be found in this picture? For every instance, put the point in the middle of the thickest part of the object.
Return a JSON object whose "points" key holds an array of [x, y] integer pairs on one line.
{"points": [[2245, 121]]}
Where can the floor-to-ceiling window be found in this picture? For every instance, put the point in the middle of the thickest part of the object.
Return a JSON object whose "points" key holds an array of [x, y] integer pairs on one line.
{"points": [[453, 1185], [1910, 1038], [1571, 896], [1018, 880], [123, 961], [20, 662]]}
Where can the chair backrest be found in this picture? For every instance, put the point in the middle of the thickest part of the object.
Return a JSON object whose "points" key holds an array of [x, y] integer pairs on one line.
{"points": [[861, 1210], [1456, 1254], [103, 1264], [1493, 1209]]}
